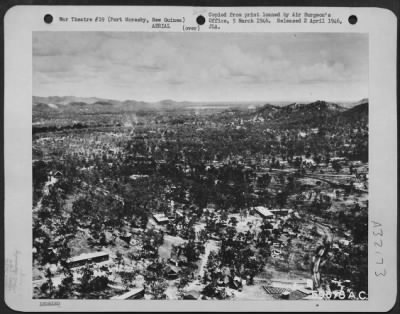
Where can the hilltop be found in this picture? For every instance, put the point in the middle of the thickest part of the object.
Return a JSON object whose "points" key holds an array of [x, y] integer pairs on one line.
{"points": [[313, 114]]}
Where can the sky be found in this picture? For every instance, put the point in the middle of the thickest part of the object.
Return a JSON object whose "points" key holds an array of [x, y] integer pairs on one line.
{"points": [[152, 66]]}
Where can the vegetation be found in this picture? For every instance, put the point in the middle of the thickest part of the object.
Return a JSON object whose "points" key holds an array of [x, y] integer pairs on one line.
{"points": [[101, 183]]}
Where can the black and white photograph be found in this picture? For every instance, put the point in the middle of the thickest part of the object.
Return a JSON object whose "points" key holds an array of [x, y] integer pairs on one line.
{"points": [[200, 166]]}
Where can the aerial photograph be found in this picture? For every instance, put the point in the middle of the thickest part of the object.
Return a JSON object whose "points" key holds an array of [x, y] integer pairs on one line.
{"points": [[199, 166]]}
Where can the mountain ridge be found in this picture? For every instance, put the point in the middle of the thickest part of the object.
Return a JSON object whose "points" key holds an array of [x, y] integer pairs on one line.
{"points": [[62, 102]]}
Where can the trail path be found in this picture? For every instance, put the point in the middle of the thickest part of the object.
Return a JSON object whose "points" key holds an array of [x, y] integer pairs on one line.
{"points": [[211, 245], [45, 192]]}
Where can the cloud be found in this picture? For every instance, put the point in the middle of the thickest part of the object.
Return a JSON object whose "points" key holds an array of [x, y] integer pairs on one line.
{"points": [[64, 43], [53, 64], [322, 72], [172, 65]]}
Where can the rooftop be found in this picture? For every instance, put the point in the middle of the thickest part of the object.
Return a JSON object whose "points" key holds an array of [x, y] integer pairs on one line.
{"points": [[160, 217], [128, 294], [137, 176], [263, 211], [86, 256]]}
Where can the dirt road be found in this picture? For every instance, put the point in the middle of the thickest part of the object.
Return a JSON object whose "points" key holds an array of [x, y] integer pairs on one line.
{"points": [[211, 245]]}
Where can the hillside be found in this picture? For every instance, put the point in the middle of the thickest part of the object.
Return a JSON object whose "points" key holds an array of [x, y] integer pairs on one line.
{"points": [[267, 112], [359, 112], [319, 111], [42, 107], [312, 114]]}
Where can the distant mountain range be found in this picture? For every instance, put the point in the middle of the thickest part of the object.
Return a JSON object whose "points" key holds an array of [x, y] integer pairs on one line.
{"points": [[314, 113], [94, 104]]}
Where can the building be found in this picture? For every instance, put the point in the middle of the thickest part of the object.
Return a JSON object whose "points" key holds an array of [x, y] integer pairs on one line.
{"points": [[294, 284], [178, 214], [171, 272], [138, 176], [263, 212], [127, 237], [93, 257], [58, 175], [281, 211], [192, 295], [134, 294], [161, 219]]}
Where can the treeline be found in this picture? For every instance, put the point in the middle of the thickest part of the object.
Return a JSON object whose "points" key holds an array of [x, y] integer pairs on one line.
{"points": [[75, 126]]}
